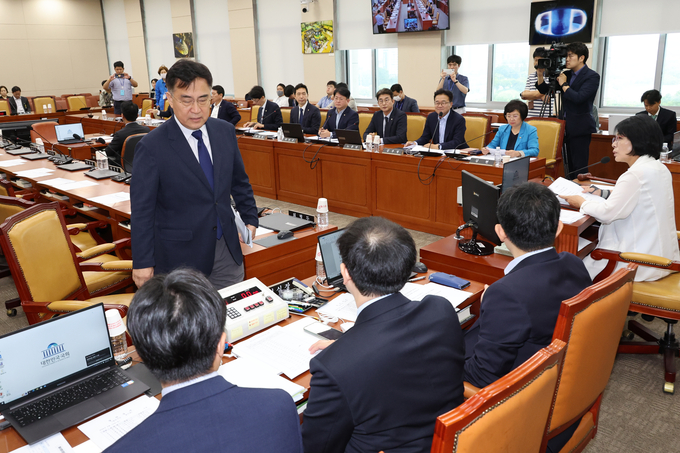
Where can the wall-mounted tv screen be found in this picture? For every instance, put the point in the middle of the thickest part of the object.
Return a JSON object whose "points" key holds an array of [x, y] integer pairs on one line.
{"points": [[561, 21], [406, 16]]}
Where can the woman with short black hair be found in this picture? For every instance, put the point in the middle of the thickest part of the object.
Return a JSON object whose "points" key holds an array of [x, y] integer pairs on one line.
{"points": [[517, 138]]}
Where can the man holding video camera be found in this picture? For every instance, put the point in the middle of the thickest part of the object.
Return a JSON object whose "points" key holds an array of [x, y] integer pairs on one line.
{"points": [[578, 86]]}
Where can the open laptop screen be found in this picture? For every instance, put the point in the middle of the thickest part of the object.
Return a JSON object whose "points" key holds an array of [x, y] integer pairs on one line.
{"points": [[330, 254], [41, 356], [515, 172], [66, 131]]}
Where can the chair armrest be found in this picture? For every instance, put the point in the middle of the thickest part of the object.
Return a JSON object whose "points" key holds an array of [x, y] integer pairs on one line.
{"points": [[67, 305], [111, 266], [470, 390], [628, 257], [90, 227], [95, 251]]}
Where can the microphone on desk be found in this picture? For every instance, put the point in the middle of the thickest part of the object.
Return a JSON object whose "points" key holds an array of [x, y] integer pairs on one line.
{"points": [[124, 175], [604, 160], [465, 143], [441, 115], [78, 137], [58, 160]]}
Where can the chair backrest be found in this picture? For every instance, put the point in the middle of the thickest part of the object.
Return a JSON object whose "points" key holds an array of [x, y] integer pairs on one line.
{"points": [[550, 137], [324, 113], [508, 416], [147, 104], [10, 205], [61, 104], [253, 112], [285, 114], [76, 103], [40, 255], [42, 102], [4, 107], [92, 101], [477, 124], [364, 121], [591, 324], [45, 131], [128, 152], [415, 123]]}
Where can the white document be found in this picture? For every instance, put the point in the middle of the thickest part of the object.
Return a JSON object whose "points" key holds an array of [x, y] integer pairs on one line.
{"points": [[13, 162], [328, 139], [54, 444], [250, 373], [87, 447], [35, 173], [262, 230], [243, 231], [418, 292], [106, 429], [418, 148], [563, 186], [344, 307], [112, 198], [568, 216], [265, 133], [67, 184], [282, 350]]}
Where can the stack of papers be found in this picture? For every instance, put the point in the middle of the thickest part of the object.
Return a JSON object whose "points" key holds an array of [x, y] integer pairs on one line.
{"points": [[568, 216], [54, 443], [14, 162], [251, 373], [112, 198], [67, 184], [35, 173], [342, 307], [563, 186], [418, 292]]}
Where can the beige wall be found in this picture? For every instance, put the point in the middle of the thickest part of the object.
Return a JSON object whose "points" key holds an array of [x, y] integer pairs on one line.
{"points": [[52, 47], [243, 51], [419, 65], [181, 16], [133, 17], [319, 68]]}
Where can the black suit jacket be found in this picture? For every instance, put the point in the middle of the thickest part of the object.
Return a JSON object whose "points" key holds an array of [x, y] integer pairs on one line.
{"points": [[668, 121], [115, 148], [454, 135], [578, 101], [519, 312], [395, 129], [13, 105], [382, 385], [228, 112], [348, 121], [215, 415], [173, 207], [272, 116], [408, 105], [311, 118]]}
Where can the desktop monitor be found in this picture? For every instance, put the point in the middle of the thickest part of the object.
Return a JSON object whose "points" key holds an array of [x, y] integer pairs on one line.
{"points": [[515, 173], [480, 199], [409, 16], [561, 21]]}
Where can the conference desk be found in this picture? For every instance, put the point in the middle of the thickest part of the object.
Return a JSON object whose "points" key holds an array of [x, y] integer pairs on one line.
{"points": [[11, 440]]}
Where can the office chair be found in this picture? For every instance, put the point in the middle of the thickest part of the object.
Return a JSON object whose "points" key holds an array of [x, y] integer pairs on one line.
{"points": [[415, 123], [477, 124], [41, 103], [76, 103], [46, 132], [550, 140], [146, 105], [128, 152]]}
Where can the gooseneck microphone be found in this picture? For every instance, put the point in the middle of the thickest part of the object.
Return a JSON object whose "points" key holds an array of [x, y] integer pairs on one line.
{"points": [[58, 160], [604, 160], [440, 115]]}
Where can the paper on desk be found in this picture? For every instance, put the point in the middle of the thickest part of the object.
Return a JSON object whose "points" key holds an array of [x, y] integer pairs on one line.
{"points": [[35, 173], [282, 350], [568, 216], [53, 444], [87, 447], [563, 186], [265, 133], [13, 162], [111, 426], [418, 292], [251, 373], [418, 148], [112, 198], [328, 139], [67, 184], [344, 307], [262, 230]]}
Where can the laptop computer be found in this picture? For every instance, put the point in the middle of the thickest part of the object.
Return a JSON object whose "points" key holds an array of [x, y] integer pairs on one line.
{"points": [[330, 255], [65, 133], [293, 130], [515, 173], [283, 222], [57, 373], [348, 137]]}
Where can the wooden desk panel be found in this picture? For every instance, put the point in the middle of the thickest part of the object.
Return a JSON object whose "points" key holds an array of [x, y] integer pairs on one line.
{"points": [[258, 159], [346, 180], [31, 117], [296, 182]]}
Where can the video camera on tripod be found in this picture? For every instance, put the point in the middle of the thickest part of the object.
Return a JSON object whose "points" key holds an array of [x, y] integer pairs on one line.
{"points": [[554, 61]]}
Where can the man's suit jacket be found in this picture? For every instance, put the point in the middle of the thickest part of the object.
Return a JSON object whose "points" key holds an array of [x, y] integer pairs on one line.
{"points": [[13, 105], [228, 112], [272, 116], [311, 118], [395, 129], [348, 121], [454, 135], [519, 312], [215, 415], [382, 385], [408, 105], [173, 207], [578, 101], [115, 148], [668, 121]]}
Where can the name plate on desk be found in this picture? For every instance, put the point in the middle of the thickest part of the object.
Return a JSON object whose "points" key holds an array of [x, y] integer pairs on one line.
{"points": [[481, 160], [354, 147], [260, 137], [395, 151], [91, 163], [289, 140]]}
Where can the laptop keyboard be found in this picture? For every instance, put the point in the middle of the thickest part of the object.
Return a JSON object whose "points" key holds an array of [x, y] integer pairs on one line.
{"points": [[68, 397]]}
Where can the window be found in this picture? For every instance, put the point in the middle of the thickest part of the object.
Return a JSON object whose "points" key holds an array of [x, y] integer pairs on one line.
{"points": [[370, 70], [670, 79], [629, 68], [510, 70], [475, 65], [386, 68]]}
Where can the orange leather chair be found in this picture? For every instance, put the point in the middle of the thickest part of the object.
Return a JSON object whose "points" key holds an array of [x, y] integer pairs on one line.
{"points": [[128, 152], [61, 105], [76, 103], [550, 139], [415, 123], [4, 107], [477, 124], [146, 105], [41, 104], [46, 132]]}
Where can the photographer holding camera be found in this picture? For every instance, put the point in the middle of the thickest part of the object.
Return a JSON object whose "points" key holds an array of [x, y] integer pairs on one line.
{"points": [[578, 86]]}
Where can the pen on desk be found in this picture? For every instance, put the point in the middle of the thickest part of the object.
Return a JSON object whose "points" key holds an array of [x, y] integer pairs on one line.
{"points": [[417, 279]]}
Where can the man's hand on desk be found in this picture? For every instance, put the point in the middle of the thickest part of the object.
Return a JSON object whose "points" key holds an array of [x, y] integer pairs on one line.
{"points": [[254, 124], [320, 345], [140, 276], [324, 133]]}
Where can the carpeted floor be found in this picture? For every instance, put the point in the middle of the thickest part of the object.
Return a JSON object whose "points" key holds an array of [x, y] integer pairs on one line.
{"points": [[636, 416]]}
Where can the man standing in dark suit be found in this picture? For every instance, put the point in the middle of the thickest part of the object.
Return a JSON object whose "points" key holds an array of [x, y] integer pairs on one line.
{"points": [[305, 113], [444, 128], [222, 109], [667, 119], [17, 103], [340, 117], [177, 324], [269, 115], [519, 311], [578, 86], [382, 385], [388, 123], [189, 168], [403, 102], [115, 149]]}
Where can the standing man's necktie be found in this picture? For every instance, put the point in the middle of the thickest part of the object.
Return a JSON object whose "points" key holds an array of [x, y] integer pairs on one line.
{"points": [[207, 167]]}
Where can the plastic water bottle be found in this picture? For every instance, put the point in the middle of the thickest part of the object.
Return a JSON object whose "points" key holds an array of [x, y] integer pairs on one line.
{"points": [[117, 334], [102, 160], [40, 145], [322, 213], [148, 119], [104, 115], [49, 108], [320, 271], [665, 154], [376, 143], [279, 134], [498, 157]]}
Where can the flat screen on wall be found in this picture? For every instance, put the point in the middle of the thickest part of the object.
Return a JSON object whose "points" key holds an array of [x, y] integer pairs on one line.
{"points": [[408, 16], [561, 21]]}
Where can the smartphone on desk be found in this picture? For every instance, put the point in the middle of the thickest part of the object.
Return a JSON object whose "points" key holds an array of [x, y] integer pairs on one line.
{"points": [[323, 331]]}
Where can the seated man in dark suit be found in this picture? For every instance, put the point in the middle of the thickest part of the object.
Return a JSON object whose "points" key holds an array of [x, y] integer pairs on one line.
{"points": [[388, 123], [666, 118], [222, 109], [269, 115], [444, 128], [340, 117], [382, 385], [177, 325], [17, 103], [519, 311], [403, 102], [305, 113], [115, 149]]}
